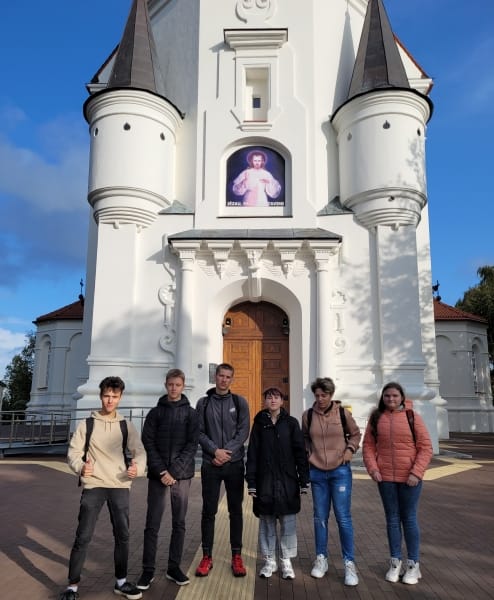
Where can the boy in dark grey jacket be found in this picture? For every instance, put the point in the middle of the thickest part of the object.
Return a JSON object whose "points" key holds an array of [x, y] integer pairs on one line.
{"points": [[224, 428], [170, 436]]}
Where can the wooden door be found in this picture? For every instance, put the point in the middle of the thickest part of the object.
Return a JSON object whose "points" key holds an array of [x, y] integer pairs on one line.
{"points": [[255, 342]]}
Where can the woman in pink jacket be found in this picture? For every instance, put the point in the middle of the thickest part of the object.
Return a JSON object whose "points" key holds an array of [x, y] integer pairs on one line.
{"points": [[397, 450]]}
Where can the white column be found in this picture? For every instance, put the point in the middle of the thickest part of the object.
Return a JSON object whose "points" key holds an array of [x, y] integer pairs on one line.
{"points": [[324, 334], [185, 312]]}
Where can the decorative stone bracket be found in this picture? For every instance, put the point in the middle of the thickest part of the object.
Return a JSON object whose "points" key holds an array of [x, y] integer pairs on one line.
{"points": [[221, 253]]}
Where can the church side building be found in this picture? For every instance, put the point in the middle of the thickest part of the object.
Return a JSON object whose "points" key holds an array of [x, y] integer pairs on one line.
{"points": [[258, 196]]}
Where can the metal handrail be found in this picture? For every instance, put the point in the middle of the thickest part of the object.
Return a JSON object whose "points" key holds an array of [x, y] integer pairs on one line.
{"points": [[50, 427]]}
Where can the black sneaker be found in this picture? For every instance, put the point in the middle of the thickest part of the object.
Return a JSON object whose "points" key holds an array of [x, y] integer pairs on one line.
{"points": [[127, 590], [69, 595], [145, 580], [176, 575]]}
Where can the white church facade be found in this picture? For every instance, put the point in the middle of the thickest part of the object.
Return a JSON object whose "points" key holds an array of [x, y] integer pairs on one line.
{"points": [[258, 196]]}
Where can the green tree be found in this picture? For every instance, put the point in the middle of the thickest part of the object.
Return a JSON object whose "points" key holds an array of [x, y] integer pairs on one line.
{"points": [[479, 300], [19, 376]]}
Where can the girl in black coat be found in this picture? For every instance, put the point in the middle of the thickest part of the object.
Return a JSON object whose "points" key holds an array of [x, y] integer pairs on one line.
{"points": [[277, 473]]}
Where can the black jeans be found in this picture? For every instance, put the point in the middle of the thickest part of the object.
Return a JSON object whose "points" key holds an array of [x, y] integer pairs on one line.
{"points": [[179, 498], [232, 474], [117, 500]]}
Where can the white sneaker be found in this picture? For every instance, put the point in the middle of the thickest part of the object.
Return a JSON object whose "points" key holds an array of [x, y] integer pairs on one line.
{"points": [[394, 570], [268, 568], [287, 571], [412, 573], [320, 567], [351, 577]]}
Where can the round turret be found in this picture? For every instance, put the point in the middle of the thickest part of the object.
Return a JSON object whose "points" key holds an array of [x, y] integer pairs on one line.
{"points": [[132, 157], [381, 140]]}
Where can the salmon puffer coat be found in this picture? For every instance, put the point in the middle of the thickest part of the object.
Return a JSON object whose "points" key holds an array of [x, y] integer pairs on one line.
{"points": [[394, 453]]}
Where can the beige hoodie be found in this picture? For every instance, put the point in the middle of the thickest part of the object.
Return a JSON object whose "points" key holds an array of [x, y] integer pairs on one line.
{"points": [[325, 442], [105, 452]]}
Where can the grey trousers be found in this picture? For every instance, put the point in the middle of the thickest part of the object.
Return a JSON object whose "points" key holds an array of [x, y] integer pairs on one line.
{"points": [[268, 538]]}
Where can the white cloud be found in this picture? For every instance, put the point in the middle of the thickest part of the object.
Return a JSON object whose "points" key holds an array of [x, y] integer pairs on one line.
{"points": [[11, 343], [43, 206], [46, 183]]}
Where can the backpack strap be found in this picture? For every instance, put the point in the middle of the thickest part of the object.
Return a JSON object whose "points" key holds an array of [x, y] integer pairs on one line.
{"points": [[346, 435], [410, 418], [125, 436], [89, 431], [342, 419], [236, 402], [411, 423]]}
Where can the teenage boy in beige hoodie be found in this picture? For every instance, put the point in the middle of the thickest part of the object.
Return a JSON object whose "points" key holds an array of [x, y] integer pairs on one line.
{"points": [[106, 474]]}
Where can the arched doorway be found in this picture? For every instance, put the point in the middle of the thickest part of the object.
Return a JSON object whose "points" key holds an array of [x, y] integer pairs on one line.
{"points": [[255, 342]]}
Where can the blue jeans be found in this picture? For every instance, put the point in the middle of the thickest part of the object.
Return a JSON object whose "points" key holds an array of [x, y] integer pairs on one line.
{"points": [[400, 503], [335, 487]]}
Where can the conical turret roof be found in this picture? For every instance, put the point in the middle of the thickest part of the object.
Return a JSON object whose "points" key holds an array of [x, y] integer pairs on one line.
{"points": [[136, 64], [378, 64]]}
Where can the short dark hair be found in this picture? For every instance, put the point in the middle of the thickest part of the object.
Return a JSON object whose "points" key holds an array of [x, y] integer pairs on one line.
{"points": [[112, 383], [273, 391], [326, 384], [175, 373], [226, 367]]}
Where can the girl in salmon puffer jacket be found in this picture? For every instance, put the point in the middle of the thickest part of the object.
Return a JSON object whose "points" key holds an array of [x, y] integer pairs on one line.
{"points": [[397, 450]]}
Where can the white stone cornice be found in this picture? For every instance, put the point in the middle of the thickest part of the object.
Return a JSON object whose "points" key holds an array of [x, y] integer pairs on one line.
{"points": [[221, 252], [325, 255], [253, 251], [186, 251], [247, 39], [257, 254], [288, 251]]}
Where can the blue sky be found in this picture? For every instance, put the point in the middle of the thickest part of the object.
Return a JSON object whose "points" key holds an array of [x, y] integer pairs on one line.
{"points": [[49, 50]]}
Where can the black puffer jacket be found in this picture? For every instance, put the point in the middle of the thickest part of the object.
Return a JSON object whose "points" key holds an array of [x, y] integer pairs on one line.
{"points": [[277, 466], [170, 436]]}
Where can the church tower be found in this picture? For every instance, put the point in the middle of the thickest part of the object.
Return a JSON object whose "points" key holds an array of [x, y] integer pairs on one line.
{"points": [[381, 129], [235, 220], [133, 129]]}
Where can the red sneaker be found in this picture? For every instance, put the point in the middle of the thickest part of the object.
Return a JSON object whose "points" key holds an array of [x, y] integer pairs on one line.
{"points": [[204, 567], [238, 566]]}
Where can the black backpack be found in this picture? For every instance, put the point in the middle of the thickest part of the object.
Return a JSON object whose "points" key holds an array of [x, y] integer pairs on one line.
{"points": [[125, 436]]}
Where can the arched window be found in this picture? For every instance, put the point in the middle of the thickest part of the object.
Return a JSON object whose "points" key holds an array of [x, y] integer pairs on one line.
{"points": [[44, 362]]}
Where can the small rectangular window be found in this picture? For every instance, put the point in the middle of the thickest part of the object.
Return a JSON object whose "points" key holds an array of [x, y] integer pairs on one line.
{"points": [[256, 93]]}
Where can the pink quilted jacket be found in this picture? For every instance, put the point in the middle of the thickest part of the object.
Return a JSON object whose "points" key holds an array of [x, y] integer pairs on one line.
{"points": [[394, 453]]}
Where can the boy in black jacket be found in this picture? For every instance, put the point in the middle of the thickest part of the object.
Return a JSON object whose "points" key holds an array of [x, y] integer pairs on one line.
{"points": [[170, 436], [224, 428]]}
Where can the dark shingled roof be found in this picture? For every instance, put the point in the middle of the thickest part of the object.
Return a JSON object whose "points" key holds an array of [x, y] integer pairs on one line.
{"points": [[378, 65], [136, 64], [72, 312], [255, 234], [445, 312]]}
